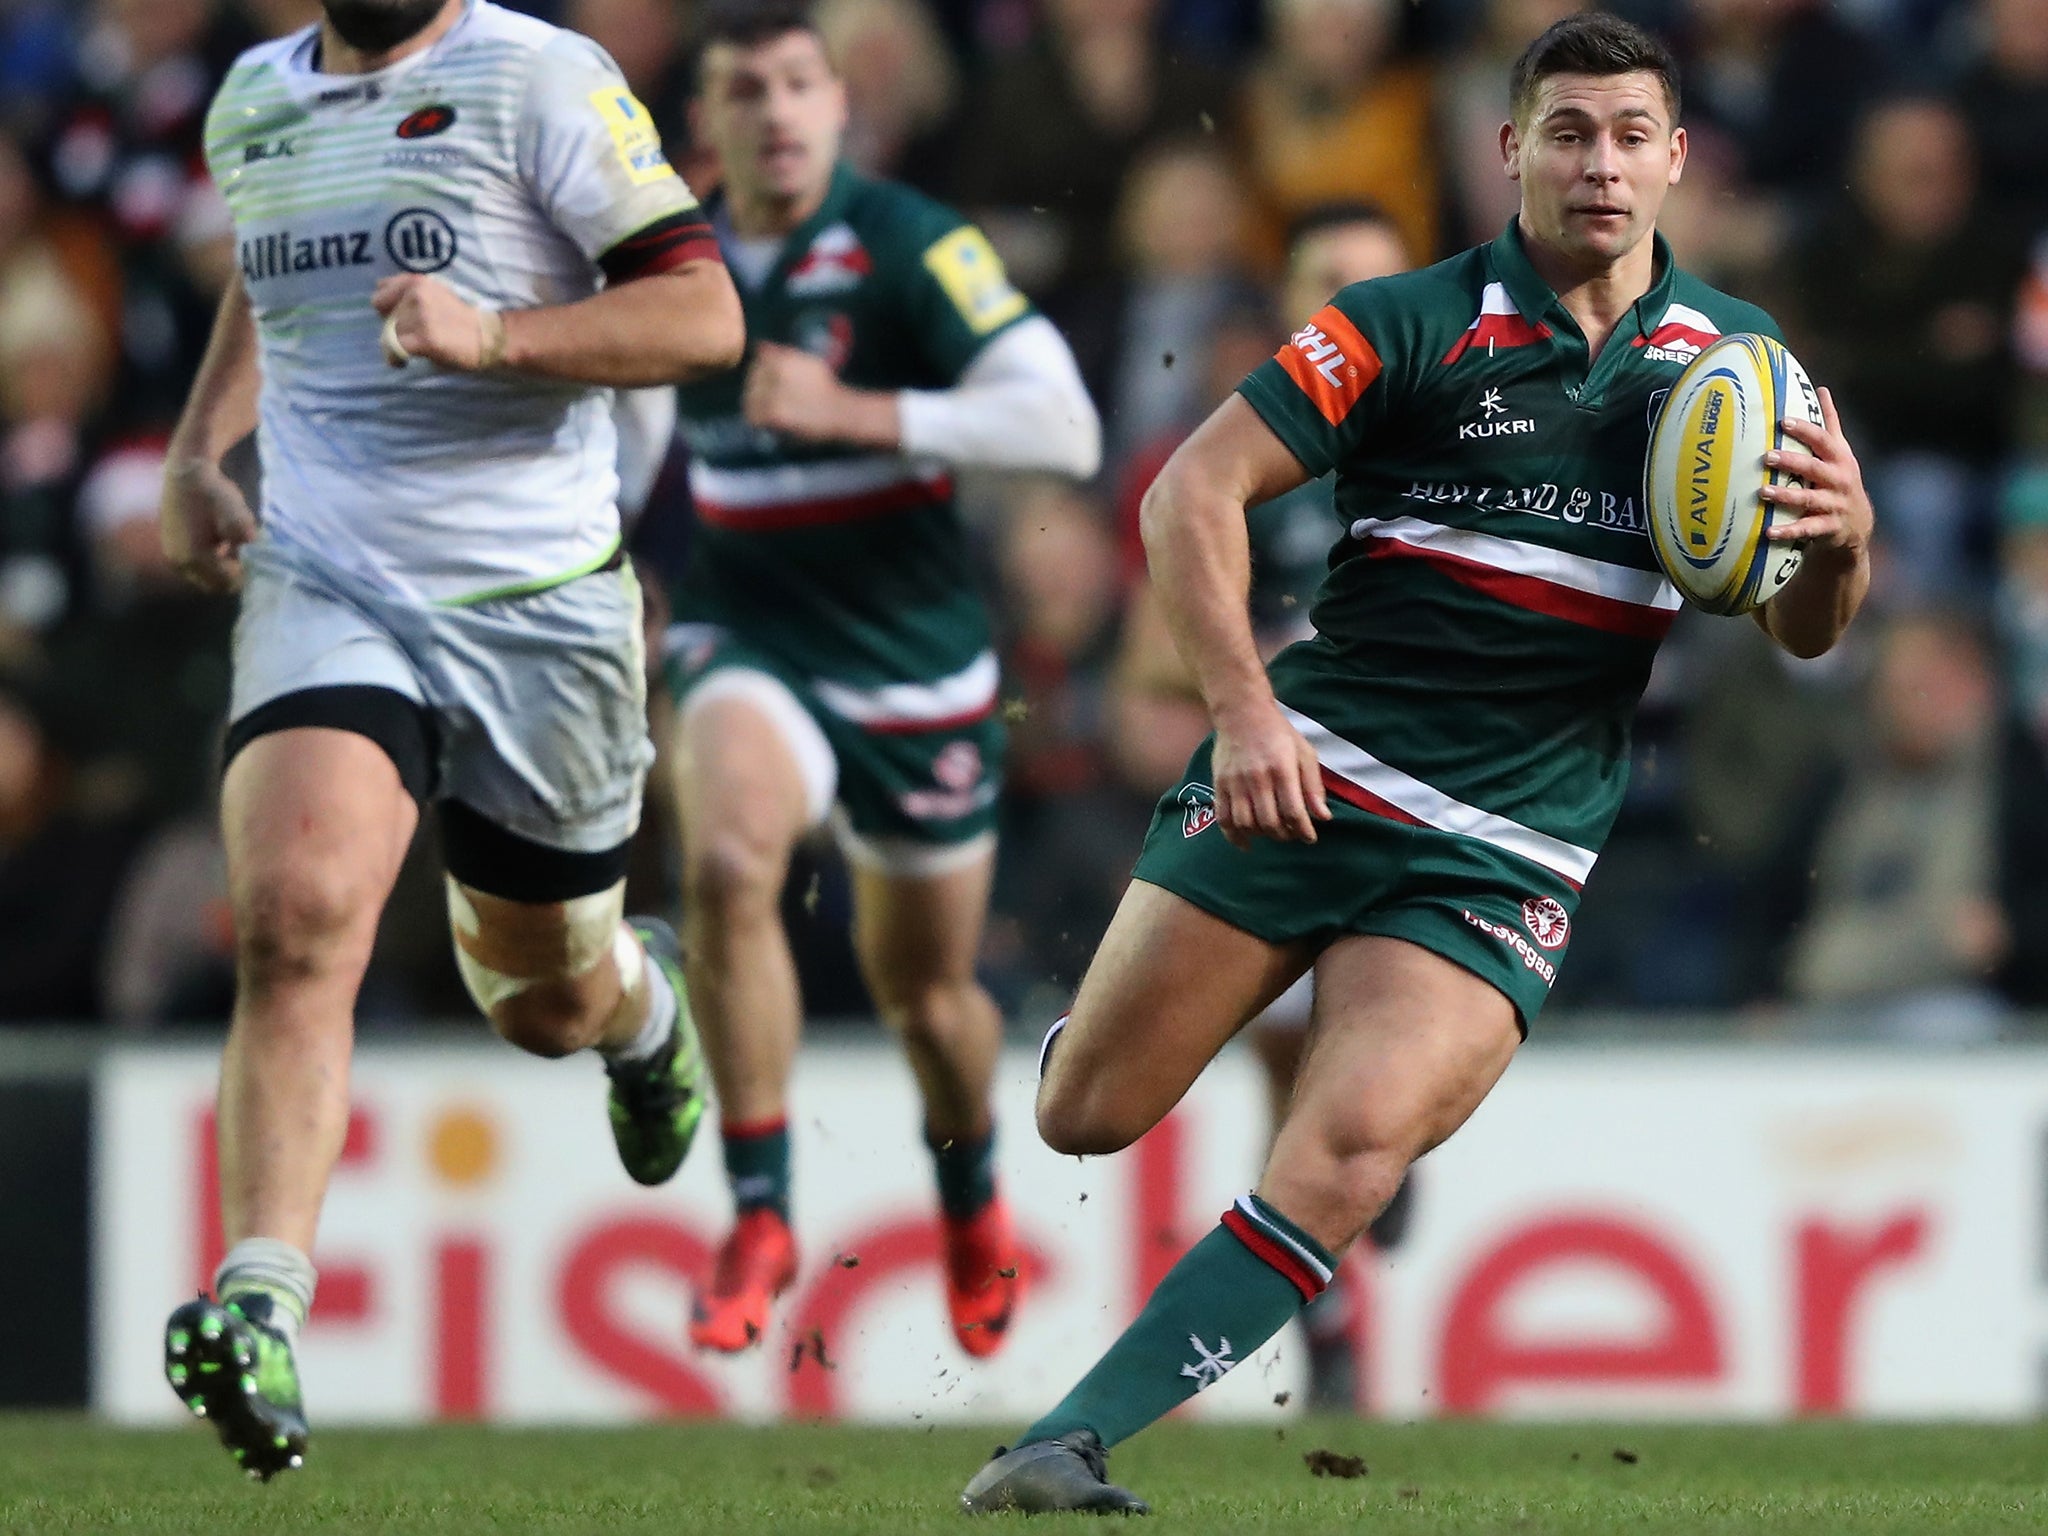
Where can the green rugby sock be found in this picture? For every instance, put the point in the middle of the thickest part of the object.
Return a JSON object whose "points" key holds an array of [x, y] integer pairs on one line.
{"points": [[965, 1168], [757, 1165], [1230, 1293]]}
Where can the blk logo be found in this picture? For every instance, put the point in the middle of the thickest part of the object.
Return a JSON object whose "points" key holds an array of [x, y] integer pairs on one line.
{"points": [[420, 240]]}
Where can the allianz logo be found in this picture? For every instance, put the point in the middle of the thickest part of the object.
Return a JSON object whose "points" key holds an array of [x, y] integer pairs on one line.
{"points": [[1494, 420], [415, 240]]}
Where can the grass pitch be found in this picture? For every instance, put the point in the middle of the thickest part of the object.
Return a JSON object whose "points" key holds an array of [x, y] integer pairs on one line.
{"points": [[68, 1475]]}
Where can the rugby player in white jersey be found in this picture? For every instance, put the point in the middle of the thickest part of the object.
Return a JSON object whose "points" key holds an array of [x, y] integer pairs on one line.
{"points": [[457, 236]]}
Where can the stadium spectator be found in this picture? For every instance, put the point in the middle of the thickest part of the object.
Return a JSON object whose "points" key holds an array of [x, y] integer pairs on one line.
{"points": [[902, 86], [1781, 80], [1905, 930], [54, 351], [2022, 835], [35, 60], [63, 845], [126, 146], [1331, 113], [1043, 151], [1717, 223], [1911, 332], [2005, 95], [154, 658], [1144, 336]]}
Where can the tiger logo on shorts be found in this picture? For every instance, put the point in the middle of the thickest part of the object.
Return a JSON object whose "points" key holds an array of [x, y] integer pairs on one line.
{"points": [[1198, 809], [1547, 921]]}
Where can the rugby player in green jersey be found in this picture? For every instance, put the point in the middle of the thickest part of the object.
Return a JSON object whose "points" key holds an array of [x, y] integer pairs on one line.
{"points": [[832, 658], [1409, 801], [1161, 719]]}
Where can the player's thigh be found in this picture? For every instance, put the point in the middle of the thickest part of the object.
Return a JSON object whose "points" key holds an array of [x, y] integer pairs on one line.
{"points": [[752, 774], [1169, 986], [328, 750], [917, 924], [541, 707], [1405, 1046], [316, 821]]}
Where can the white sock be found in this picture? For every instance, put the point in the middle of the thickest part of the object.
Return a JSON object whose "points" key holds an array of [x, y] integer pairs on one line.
{"points": [[660, 1022], [276, 1268]]}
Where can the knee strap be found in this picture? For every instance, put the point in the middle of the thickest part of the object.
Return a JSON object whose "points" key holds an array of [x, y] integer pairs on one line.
{"points": [[591, 930]]}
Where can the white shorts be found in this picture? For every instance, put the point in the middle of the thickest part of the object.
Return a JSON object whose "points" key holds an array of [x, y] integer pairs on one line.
{"points": [[536, 704]]}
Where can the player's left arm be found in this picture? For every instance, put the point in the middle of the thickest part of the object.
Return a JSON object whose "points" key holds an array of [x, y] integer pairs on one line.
{"points": [[1834, 518], [1016, 400]]}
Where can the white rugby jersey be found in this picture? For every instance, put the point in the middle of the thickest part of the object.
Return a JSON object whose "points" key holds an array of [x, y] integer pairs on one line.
{"points": [[511, 161]]}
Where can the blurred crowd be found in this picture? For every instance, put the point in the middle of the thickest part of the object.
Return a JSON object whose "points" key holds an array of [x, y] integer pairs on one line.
{"points": [[1854, 845]]}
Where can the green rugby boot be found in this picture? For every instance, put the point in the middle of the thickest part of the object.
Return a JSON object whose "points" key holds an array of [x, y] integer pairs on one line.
{"points": [[231, 1367], [656, 1103]]}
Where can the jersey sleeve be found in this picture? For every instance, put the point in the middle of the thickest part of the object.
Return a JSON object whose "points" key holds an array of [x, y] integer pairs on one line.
{"points": [[592, 156], [957, 294], [1326, 391]]}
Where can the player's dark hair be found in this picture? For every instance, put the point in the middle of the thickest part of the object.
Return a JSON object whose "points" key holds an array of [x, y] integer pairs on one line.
{"points": [[1337, 213], [750, 23], [1590, 43]]}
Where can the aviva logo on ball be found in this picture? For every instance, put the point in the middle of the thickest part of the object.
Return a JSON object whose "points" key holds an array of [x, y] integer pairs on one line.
{"points": [[1707, 452]]}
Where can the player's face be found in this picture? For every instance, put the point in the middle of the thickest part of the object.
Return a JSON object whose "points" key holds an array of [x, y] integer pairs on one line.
{"points": [[775, 115], [1337, 257], [1595, 160]]}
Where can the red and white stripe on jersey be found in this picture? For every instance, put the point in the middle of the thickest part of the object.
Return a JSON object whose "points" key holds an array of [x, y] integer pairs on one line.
{"points": [[1358, 778], [1682, 328], [902, 709], [1498, 325], [770, 497], [1248, 1224], [1618, 599]]}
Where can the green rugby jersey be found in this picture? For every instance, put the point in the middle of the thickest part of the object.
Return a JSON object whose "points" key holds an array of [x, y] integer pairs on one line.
{"points": [[1290, 538], [1489, 619], [846, 564]]}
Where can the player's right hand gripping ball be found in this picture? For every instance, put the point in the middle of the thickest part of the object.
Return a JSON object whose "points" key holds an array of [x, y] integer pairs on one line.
{"points": [[1704, 477]]}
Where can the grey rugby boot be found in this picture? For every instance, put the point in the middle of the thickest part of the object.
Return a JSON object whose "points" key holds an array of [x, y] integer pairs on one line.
{"points": [[1046, 1476]]}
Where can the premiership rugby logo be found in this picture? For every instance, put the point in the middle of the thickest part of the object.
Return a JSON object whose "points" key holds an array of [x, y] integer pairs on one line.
{"points": [[1547, 921], [1198, 809]]}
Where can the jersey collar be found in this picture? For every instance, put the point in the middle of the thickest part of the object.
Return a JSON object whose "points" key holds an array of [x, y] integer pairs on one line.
{"points": [[1537, 300], [838, 193]]}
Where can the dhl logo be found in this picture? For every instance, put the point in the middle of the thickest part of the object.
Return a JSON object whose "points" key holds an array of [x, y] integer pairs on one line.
{"points": [[1331, 363]]}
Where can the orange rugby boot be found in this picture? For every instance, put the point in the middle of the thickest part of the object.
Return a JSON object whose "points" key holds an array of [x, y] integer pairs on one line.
{"points": [[984, 1277], [756, 1264]]}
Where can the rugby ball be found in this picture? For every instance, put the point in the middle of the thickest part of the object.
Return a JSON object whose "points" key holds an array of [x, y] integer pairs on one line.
{"points": [[1704, 475]]}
